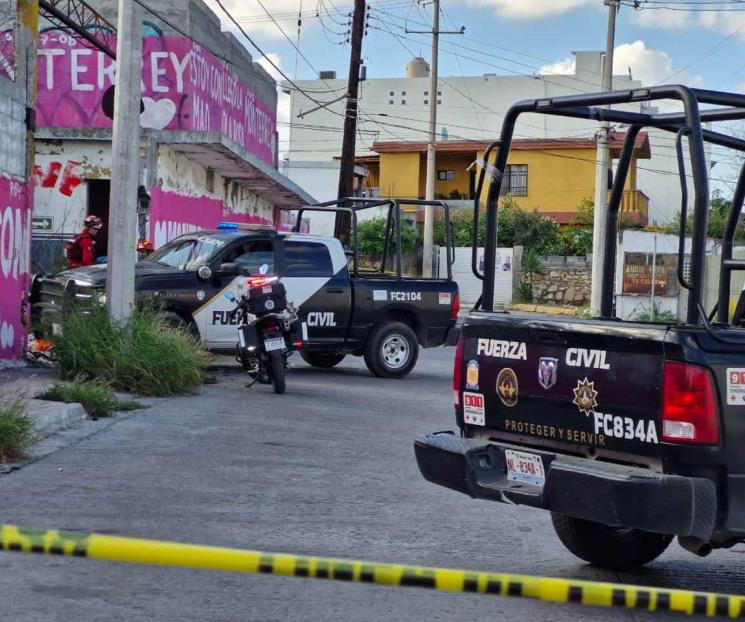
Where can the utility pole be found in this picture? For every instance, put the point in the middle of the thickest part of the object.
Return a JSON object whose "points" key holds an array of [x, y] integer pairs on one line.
{"points": [[600, 218], [429, 220], [346, 166], [125, 164]]}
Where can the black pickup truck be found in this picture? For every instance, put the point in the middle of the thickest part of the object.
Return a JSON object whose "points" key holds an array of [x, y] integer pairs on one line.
{"points": [[629, 433], [382, 316]]}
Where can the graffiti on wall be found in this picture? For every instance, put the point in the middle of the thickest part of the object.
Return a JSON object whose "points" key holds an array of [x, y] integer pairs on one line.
{"points": [[183, 87], [173, 214], [64, 177], [15, 235]]}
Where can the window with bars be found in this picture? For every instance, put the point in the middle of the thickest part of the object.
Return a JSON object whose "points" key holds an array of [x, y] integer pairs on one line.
{"points": [[515, 180]]}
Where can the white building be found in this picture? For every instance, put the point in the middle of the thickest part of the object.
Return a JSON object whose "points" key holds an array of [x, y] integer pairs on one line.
{"points": [[468, 107]]}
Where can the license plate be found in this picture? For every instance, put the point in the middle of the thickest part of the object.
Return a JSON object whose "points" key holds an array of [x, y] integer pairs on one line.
{"points": [[524, 467], [278, 343]]}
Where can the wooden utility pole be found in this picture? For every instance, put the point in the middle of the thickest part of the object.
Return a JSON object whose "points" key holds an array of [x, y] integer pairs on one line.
{"points": [[346, 167]]}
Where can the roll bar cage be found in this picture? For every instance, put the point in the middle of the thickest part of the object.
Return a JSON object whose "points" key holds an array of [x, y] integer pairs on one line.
{"points": [[392, 240], [687, 124]]}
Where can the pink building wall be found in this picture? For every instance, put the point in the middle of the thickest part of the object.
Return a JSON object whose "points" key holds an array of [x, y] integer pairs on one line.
{"points": [[183, 87], [15, 237]]}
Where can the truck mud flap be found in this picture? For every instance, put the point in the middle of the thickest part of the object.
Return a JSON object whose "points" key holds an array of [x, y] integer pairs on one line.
{"points": [[593, 490]]}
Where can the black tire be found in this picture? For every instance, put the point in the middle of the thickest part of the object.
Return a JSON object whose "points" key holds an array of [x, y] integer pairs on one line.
{"points": [[609, 547], [391, 350], [326, 360], [277, 371]]}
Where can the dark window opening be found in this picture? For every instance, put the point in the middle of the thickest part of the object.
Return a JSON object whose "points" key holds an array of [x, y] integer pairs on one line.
{"points": [[307, 259], [98, 205], [515, 180]]}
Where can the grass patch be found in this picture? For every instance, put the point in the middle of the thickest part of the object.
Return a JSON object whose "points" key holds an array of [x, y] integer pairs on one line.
{"points": [[97, 398], [145, 356], [16, 429]]}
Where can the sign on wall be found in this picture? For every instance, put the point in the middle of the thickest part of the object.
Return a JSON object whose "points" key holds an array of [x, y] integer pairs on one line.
{"points": [[183, 87], [638, 269]]}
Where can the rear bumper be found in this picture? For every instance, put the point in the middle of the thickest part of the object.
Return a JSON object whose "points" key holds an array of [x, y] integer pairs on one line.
{"points": [[588, 489]]}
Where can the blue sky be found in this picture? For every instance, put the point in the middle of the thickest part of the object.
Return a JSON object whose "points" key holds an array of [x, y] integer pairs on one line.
{"points": [[512, 36], [696, 42]]}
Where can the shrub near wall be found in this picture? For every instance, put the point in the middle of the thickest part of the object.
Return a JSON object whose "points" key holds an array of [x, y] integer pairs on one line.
{"points": [[144, 356]]}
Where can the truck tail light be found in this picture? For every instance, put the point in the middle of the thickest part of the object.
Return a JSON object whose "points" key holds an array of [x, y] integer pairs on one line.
{"points": [[689, 404], [458, 371], [455, 309]]}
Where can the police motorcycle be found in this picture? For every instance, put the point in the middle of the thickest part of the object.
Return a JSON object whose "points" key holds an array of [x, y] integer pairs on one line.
{"points": [[268, 329]]}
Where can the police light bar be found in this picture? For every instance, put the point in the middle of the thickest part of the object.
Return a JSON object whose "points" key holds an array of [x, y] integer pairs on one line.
{"points": [[243, 226]]}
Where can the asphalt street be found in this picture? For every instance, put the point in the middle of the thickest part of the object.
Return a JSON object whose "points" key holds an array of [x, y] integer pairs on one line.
{"points": [[327, 469]]}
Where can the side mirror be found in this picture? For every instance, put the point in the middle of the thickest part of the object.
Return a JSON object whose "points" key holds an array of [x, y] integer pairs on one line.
{"points": [[228, 269]]}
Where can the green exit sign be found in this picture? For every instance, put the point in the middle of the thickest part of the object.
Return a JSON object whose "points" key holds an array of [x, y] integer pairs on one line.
{"points": [[42, 223]]}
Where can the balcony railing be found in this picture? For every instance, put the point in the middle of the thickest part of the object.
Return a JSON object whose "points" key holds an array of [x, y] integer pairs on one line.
{"points": [[634, 206]]}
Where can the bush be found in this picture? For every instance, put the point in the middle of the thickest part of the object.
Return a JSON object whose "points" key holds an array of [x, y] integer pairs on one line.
{"points": [[653, 314], [718, 212], [15, 431], [96, 397], [371, 235], [146, 355]]}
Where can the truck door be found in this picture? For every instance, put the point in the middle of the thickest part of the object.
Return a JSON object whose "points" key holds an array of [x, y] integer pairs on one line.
{"points": [[317, 282], [213, 319]]}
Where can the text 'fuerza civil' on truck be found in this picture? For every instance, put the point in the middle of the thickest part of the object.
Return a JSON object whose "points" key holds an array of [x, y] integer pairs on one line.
{"points": [[629, 433], [382, 315]]}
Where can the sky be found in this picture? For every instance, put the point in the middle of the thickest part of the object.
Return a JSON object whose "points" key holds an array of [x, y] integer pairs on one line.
{"points": [[695, 42]]}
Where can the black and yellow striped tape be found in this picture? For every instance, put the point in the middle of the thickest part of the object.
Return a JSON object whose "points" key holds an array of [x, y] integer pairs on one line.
{"points": [[139, 551]]}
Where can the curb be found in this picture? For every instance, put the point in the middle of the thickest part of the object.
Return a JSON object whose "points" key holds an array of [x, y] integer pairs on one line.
{"points": [[52, 417]]}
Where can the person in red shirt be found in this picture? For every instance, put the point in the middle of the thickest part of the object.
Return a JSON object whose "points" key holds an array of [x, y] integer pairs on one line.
{"points": [[82, 250]]}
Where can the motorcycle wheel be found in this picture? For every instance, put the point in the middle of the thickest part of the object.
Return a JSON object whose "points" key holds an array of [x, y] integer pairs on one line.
{"points": [[277, 369]]}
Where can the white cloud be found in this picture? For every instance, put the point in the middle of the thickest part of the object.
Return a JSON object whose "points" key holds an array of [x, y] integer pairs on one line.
{"points": [[649, 65], [532, 9], [561, 67], [662, 18], [274, 57]]}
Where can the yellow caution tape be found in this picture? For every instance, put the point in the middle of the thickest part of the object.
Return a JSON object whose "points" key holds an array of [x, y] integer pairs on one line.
{"points": [[139, 551]]}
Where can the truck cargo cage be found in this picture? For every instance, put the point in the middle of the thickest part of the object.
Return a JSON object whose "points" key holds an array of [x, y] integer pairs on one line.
{"points": [[686, 124], [392, 239]]}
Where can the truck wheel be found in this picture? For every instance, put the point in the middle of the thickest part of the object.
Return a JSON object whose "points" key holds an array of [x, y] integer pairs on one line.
{"points": [[391, 350], [609, 547], [327, 360]]}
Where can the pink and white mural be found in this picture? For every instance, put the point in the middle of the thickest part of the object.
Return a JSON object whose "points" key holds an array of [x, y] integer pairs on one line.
{"points": [[183, 87], [173, 214], [15, 236]]}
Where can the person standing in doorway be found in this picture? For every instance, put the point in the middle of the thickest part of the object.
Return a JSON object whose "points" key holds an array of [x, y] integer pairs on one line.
{"points": [[81, 250]]}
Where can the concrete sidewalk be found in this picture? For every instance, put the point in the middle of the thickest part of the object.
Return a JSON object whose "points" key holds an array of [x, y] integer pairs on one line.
{"points": [[25, 384]]}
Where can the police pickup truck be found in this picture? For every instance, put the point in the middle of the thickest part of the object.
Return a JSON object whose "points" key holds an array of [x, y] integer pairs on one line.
{"points": [[380, 316], [629, 433]]}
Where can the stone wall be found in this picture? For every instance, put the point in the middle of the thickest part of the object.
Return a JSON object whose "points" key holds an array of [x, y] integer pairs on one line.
{"points": [[564, 280]]}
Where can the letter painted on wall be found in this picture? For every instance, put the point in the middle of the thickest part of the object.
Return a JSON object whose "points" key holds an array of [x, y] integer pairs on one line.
{"points": [[15, 236], [183, 87]]}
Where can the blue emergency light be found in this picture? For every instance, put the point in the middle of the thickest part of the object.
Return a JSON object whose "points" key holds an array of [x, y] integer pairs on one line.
{"points": [[228, 225]]}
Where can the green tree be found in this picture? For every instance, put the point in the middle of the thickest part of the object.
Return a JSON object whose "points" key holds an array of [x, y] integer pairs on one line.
{"points": [[719, 207], [372, 235]]}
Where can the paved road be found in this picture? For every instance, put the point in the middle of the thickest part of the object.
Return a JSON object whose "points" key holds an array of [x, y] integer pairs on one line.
{"points": [[326, 469]]}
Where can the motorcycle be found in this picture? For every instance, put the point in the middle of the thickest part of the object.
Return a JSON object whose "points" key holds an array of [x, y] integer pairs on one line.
{"points": [[268, 330]]}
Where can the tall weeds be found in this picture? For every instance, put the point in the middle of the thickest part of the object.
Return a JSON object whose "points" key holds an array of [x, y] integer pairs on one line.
{"points": [[144, 356]]}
